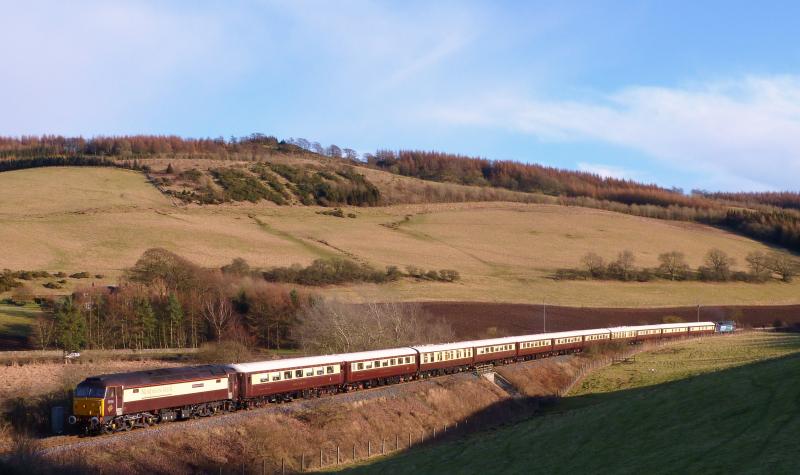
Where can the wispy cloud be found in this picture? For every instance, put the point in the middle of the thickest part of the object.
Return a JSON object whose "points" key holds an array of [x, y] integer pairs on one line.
{"points": [[745, 131]]}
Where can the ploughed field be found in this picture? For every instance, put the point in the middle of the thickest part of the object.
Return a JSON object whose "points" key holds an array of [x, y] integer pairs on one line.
{"points": [[727, 404], [481, 319], [100, 220]]}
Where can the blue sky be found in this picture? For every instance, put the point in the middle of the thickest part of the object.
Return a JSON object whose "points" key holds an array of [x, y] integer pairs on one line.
{"points": [[689, 94]]}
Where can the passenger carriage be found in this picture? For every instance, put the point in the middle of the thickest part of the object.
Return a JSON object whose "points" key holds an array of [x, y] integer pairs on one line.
{"points": [[702, 328], [573, 341], [496, 350], [375, 368], [445, 358], [648, 332], [624, 334], [533, 346], [286, 379], [674, 330]]}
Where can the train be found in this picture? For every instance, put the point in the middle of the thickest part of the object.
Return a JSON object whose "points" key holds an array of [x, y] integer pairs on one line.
{"points": [[124, 401]]}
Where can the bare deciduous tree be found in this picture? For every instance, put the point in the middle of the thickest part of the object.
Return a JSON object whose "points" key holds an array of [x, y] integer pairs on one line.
{"points": [[758, 263], [335, 327], [719, 264], [673, 265], [594, 264], [782, 264], [217, 310]]}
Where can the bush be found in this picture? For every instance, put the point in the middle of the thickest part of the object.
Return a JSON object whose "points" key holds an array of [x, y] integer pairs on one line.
{"points": [[192, 175], [80, 275], [241, 186], [8, 282], [51, 285], [227, 351], [327, 272], [336, 212]]}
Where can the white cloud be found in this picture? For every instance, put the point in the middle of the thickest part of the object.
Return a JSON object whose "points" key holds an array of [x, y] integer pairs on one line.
{"points": [[736, 132], [608, 171]]}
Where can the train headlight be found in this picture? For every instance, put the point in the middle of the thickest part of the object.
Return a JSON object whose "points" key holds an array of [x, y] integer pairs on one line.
{"points": [[72, 420]]}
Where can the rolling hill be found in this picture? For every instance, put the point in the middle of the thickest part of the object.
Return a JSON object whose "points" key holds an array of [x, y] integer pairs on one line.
{"points": [[100, 220]]}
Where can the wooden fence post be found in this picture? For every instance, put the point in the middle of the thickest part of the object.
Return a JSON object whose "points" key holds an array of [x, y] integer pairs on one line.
{"points": [[354, 452], [409, 441], [396, 442], [320, 457], [338, 459], [434, 432], [369, 448], [383, 446], [264, 467], [283, 466], [303, 462]]}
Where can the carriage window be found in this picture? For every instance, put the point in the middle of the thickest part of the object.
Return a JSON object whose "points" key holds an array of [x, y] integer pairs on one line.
{"points": [[320, 371], [385, 363], [360, 365], [377, 363], [135, 390], [369, 365], [197, 385], [287, 375], [276, 377], [329, 370], [393, 362], [298, 373], [310, 372]]}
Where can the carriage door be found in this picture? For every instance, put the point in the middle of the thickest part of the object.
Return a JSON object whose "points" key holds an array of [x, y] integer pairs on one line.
{"points": [[113, 404]]}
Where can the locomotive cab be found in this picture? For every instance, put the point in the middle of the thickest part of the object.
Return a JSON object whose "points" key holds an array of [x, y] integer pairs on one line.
{"points": [[93, 404]]}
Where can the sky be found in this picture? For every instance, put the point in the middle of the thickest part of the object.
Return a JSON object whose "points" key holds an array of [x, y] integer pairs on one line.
{"points": [[687, 94]]}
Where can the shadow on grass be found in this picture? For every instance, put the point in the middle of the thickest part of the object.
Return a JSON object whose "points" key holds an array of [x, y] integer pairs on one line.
{"points": [[735, 420]]}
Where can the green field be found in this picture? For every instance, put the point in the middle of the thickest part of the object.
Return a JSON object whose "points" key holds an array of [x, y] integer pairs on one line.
{"points": [[16, 324], [722, 405]]}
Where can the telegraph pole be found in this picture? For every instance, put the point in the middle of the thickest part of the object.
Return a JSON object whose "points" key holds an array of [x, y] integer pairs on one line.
{"points": [[698, 313], [544, 316]]}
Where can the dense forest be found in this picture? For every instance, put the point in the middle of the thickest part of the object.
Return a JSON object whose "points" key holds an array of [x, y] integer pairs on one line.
{"points": [[769, 217]]}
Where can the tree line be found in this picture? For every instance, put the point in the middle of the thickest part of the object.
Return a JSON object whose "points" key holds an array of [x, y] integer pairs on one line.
{"points": [[166, 301], [717, 266]]}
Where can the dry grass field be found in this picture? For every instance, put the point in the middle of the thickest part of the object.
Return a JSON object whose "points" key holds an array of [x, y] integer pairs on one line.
{"points": [[101, 220]]}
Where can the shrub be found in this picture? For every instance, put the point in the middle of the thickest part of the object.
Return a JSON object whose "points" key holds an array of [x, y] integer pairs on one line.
{"points": [[327, 272], [336, 212], [241, 186], [192, 175], [80, 275], [51, 285]]}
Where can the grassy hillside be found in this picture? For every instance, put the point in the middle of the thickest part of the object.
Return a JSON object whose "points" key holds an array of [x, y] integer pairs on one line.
{"points": [[702, 407], [100, 220]]}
